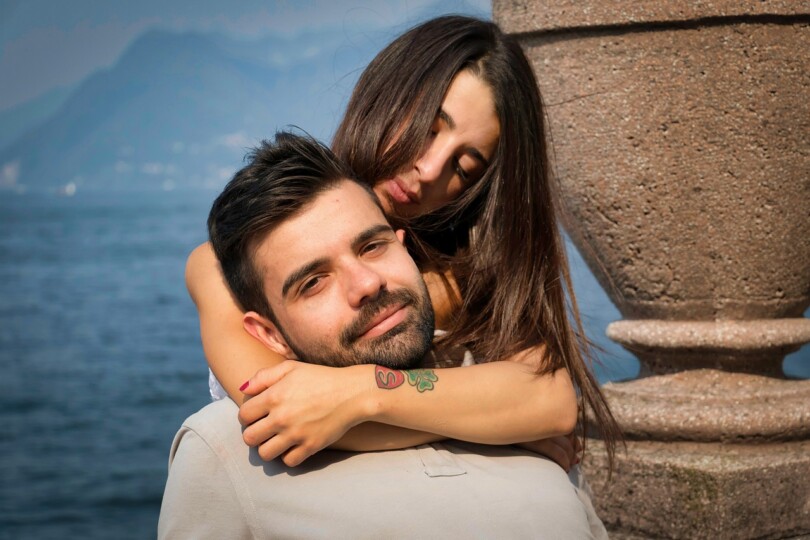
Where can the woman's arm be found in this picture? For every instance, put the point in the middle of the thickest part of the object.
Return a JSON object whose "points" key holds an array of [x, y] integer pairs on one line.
{"points": [[496, 403], [232, 353]]}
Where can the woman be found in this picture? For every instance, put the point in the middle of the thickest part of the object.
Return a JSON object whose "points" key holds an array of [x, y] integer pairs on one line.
{"points": [[455, 148]]}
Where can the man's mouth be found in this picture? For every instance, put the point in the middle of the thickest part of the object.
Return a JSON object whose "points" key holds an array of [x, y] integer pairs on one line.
{"points": [[381, 316], [384, 321]]}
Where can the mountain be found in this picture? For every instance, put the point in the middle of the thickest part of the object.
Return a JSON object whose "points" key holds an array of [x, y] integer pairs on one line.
{"points": [[180, 110], [15, 122]]}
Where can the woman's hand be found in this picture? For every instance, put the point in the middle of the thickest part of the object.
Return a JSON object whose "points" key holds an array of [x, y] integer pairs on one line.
{"points": [[297, 409], [564, 450]]}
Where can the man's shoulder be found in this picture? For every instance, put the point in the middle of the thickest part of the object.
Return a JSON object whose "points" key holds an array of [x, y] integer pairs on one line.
{"points": [[217, 412], [216, 425], [445, 481]]}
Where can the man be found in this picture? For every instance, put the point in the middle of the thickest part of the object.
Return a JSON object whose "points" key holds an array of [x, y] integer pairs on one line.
{"points": [[323, 277]]}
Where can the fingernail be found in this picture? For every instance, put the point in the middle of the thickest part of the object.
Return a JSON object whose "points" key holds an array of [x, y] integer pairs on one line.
{"points": [[242, 388]]}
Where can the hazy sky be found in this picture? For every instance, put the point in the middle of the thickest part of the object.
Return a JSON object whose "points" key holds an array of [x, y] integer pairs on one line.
{"points": [[45, 44]]}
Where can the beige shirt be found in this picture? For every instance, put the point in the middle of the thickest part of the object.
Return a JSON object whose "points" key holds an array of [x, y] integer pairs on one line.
{"points": [[220, 488]]}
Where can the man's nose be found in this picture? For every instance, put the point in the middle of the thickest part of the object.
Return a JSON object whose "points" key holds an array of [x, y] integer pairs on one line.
{"points": [[364, 284]]}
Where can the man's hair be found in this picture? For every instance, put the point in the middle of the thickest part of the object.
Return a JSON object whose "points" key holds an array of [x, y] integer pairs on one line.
{"points": [[281, 177]]}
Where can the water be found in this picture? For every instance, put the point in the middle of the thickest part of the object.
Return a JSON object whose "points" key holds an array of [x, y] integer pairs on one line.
{"points": [[100, 359]]}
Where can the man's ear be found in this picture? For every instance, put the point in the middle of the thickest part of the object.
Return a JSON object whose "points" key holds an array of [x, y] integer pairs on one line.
{"points": [[268, 333], [400, 235]]}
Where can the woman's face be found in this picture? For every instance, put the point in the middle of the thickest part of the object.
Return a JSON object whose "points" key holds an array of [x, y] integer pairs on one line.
{"points": [[463, 139]]}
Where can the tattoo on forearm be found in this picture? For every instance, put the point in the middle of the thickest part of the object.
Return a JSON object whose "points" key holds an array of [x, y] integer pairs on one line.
{"points": [[422, 379], [388, 379]]}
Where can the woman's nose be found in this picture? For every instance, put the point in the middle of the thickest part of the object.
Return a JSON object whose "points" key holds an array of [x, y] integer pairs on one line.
{"points": [[432, 164]]}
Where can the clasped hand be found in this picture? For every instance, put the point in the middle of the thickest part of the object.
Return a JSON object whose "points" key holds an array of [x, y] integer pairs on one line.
{"points": [[297, 409]]}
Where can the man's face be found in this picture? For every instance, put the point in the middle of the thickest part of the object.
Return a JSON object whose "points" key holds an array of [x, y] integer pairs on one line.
{"points": [[342, 286]]}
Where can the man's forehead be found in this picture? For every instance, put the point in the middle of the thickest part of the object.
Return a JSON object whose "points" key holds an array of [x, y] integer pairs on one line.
{"points": [[335, 205], [346, 196], [324, 226]]}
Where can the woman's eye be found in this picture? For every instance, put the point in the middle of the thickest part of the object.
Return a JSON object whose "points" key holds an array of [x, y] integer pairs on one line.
{"points": [[435, 127], [465, 177]]}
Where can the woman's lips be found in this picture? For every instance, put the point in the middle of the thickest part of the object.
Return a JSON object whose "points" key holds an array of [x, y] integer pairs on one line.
{"points": [[400, 193], [385, 321]]}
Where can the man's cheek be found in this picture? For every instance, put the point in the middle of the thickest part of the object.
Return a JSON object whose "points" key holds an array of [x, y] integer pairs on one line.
{"points": [[321, 324], [404, 265]]}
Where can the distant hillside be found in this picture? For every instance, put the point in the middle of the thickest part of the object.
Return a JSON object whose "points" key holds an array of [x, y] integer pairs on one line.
{"points": [[15, 122], [181, 110]]}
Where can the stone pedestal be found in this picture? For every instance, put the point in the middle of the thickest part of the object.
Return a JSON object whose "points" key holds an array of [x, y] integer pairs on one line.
{"points": [[680, 133], [704, 490]]}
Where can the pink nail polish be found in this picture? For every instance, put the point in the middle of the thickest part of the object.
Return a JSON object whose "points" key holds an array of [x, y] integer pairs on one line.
{"points": [[242, 388]]}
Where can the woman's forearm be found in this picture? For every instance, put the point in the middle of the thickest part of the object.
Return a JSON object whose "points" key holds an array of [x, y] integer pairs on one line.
{"points": [[299, 408], [373, 436], [527, 408], [496, 403]]}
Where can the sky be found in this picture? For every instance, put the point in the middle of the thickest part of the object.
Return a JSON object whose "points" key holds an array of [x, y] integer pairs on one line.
{"points": [[51, 44]]}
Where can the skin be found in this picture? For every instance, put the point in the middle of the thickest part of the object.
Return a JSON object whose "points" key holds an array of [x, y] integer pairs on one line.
{"points": [[546, 404], [362, 259], [463, 139], [346, 271]]}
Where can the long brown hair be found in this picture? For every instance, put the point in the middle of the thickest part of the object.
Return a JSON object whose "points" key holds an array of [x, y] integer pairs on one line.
{"points": [[500, 238]]}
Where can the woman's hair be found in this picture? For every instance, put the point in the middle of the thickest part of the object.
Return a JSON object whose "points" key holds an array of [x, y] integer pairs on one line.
{"points": [[500, 238]]}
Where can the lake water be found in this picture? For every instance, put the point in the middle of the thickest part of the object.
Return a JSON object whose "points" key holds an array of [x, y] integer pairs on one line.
{"points": [[101, 362], [100, 359]]}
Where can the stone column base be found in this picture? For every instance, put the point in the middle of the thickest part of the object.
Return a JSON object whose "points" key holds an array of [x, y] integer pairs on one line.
{"points": [[755, 346], [703, 490]]}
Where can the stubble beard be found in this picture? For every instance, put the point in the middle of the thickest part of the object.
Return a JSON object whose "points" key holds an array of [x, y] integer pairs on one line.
{"points": [[402, 347]]}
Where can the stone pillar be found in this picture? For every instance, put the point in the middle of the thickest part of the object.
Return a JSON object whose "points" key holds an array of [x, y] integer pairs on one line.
{"points": [[680, 133]]}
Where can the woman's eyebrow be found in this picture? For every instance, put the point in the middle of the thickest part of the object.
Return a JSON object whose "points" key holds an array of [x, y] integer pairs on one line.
{"points": [[470, 151], [476, 155], [447, 118]]}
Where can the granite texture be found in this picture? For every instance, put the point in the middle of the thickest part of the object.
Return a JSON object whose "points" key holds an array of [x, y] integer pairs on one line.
{"points": [[703, 490], [521, 16], [680, 133], [712, 405], [684, 159], [751, 346]]}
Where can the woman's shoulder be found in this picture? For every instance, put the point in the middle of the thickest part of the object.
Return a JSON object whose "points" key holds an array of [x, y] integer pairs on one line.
{"points": [[444, 295]]}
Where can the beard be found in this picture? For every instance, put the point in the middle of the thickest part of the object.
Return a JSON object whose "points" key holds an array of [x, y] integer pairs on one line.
{"points": [[402, 347]]}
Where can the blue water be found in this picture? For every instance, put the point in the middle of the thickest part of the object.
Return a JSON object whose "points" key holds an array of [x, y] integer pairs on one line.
{"points": [[100, 358]]}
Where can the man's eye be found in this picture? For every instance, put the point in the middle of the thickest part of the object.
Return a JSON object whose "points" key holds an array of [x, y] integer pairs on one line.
{"points": [[373, 247], [310, 284]]}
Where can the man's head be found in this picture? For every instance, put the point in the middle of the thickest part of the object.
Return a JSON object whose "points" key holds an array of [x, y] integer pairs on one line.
{"points": [[312, 260]]}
